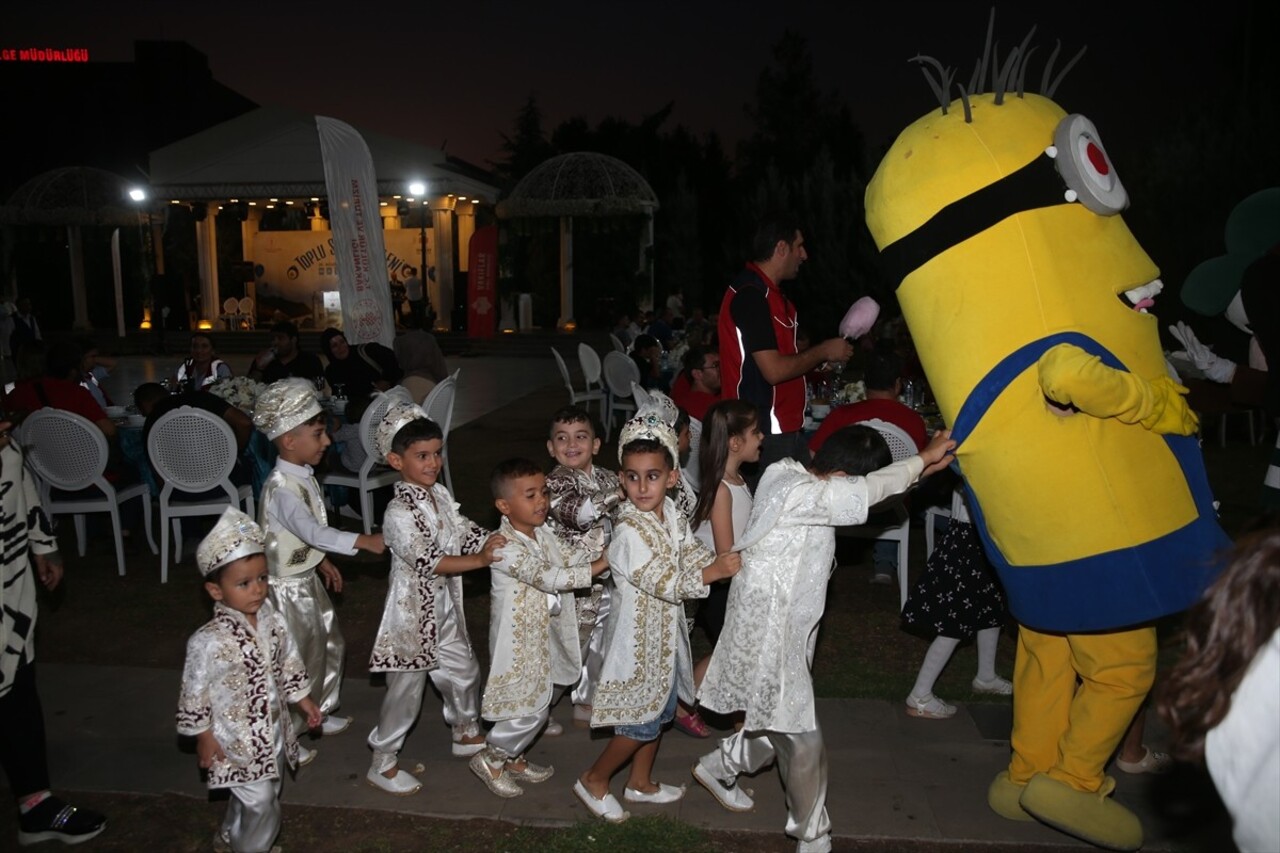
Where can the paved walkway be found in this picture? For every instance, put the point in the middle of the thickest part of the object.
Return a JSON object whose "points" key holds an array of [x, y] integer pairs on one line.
{"points": [[892, 776]]}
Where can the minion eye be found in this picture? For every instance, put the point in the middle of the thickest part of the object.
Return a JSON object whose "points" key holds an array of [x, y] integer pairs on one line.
{"points": [[1083, 163]]}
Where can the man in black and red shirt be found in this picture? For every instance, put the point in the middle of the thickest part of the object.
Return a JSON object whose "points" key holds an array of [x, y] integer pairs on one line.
{"points": [[759, 360]]}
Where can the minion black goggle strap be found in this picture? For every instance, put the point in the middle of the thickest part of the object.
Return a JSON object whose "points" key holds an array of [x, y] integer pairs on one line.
{"points": [[1074, 169]]}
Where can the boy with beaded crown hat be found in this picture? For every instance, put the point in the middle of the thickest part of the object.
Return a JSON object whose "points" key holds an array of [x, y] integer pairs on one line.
{"points": [[242, 669], [656, 563], [298, 535], [423, 633]]}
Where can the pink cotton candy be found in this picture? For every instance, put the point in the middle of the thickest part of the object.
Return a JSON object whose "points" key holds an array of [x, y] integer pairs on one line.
{"points": [[860, 317]]}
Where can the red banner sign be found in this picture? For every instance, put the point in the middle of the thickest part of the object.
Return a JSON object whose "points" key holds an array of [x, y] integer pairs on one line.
{"points": [[482, 283]]}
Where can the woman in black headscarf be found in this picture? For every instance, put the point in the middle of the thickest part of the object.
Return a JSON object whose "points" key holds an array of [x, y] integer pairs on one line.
{"points": [[360, 370]]}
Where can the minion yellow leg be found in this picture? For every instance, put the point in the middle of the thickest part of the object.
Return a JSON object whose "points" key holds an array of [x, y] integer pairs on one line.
{"points": [[1063, 734]]}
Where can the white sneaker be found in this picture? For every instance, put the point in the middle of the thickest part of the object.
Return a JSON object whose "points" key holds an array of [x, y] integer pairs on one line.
{"points": [[334, 725], [731, 796], [997, 686], [929, 707]]}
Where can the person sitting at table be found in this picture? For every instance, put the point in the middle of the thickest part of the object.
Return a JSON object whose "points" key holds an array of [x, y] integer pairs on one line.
{"points": [[284, 358], [204, 367], [646, 352], [60, 388], [153, 401], [884, 383], [697, 387], [360, 369], [94, 370], [420, 358]]}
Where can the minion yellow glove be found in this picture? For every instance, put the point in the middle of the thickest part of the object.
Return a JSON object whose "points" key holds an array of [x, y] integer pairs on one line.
{"points": [[1071, 376]]}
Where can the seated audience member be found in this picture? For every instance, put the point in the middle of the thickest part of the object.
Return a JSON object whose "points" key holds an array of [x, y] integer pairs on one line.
{"points": [[884, 383], [697, 387], [60, 388], [152, 402], [420, 357], [204, 367], [361, 369], [662, 328], [646, 352], [284, 359], [94, 370]]}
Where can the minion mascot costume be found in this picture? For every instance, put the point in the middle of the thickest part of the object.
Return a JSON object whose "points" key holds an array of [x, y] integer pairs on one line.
{"points": [[1027, 297]]}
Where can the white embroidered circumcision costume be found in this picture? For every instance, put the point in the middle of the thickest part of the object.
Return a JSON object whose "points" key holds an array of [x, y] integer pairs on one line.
{"points": [[419, 531], [762, 661], [657, 563], [238, 681], [533, 629], [293, 517]]}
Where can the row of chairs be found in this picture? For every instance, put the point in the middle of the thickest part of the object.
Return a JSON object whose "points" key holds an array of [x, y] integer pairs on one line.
{"points": [[609, 383], [68, 455]]}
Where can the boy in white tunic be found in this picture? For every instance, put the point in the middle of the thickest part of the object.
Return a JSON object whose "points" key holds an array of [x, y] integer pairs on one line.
{"points": [[423, 632], [761, 664], [533, 629], [242, 668], [292, 515], [656, 563]]}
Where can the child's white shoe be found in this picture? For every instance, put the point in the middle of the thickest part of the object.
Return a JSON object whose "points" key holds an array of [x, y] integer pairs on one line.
{"points": [[305, 756], [334, 725], [732, 796], [929, 708], [997, 686], [532, 773], [553, 729], [503, 784], [664, 794], [402, 784]]}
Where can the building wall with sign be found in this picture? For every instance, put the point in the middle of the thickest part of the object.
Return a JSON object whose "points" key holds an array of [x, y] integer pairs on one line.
{"points": [[296, 278]]}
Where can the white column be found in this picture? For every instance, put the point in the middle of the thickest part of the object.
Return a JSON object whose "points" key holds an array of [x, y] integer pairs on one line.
{"points": [[207, 252], [79, 302], [466, 213], [566, 271], [442, 288]]}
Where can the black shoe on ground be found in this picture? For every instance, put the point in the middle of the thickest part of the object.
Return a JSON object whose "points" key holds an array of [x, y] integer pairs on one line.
{"points": [[54, 819]]}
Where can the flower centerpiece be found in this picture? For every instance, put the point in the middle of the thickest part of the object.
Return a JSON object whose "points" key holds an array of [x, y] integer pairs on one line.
{"points": [[240, 391], [852, 392]]}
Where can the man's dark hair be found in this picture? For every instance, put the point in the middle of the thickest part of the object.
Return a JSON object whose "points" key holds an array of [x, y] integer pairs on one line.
{"points": [[855, 450], [643, 342], [326, 338], [422, 429], [63, 359], [508, 470], [884, 368], [773, 228], [694, 359], [147, 394], [201, 333], [284, 327]]}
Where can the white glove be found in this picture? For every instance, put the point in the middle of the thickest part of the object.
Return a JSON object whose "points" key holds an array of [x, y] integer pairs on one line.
{"points": [[1214, 367]]}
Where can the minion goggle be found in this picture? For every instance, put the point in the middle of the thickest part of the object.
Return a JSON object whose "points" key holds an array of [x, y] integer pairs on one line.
{"points": [[1074, 169]]}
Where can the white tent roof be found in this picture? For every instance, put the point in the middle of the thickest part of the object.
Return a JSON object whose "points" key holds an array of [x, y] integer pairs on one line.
{"points": [[276, 152]]}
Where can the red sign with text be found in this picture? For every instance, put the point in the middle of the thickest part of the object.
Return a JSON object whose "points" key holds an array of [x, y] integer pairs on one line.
{"points": [[482, 283]]}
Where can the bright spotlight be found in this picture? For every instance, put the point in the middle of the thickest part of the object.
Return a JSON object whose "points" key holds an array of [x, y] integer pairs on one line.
{"points": [[417, 188], [137, 194]]}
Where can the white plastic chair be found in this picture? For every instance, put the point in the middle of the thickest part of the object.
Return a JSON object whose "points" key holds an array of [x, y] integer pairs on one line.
{"points": [[900, 447], [618, 345], [367, 479], [576, 396], [193, 451], [620, 372], [589, 360], [439, 407], [246, 312], [68, 452]]}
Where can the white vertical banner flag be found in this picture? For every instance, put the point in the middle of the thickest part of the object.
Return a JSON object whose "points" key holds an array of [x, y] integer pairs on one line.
{"points": [[119, 282], [357, 234]]}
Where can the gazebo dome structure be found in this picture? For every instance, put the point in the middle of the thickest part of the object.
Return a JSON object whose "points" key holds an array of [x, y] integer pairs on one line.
{"points": [[581, 183]]}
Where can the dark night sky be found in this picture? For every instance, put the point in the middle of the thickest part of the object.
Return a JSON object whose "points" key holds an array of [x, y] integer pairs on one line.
{"points": [[433, 71]]}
